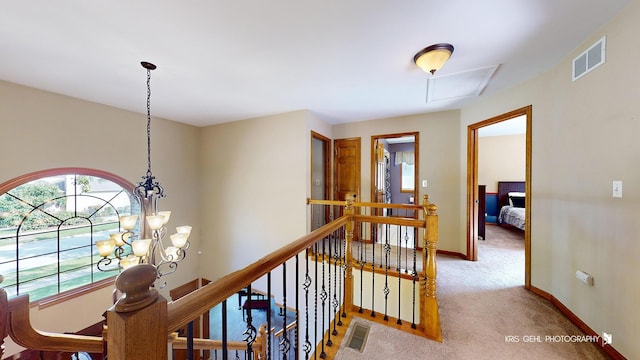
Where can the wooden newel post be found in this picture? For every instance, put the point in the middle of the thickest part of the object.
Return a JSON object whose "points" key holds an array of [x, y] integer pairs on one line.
{"points": [[348, 279], [431, 313], [137, 323]]}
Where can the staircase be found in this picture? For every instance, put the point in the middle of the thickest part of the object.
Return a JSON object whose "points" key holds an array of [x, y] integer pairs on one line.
{"points": [[351, 266]]}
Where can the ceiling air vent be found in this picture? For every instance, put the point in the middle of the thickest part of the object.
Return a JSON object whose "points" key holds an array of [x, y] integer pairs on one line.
{"points": [[589, 60]]}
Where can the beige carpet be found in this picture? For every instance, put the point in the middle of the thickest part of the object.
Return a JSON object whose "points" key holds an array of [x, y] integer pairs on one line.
{"points": [[481, 304]]}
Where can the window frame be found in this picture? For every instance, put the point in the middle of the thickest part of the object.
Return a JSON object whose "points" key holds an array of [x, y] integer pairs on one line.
{"points": [[20, 180], [402, 182]]}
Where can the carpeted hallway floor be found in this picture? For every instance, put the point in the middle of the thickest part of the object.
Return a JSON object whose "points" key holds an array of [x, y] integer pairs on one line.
{"points": [[484, 309]]}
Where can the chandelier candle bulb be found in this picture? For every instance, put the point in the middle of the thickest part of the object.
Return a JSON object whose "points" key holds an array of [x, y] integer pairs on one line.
{"points": [[119, 239], [128, 262], [141, 247], [184, 230], [105, 247], [179, 240], [172, 252], [128, 222], [155, 221], [166, 215]]}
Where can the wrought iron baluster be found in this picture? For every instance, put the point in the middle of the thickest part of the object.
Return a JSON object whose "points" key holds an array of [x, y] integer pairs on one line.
{"points": [[387, 259], [414, 275], [269, 344], [315, 307], [250, 332], [406, 250], [334, 301], [323, 298], [373, 279], [399, 259], [328, 260], [190, 340], [307, 283], [285, 343], [296, 332], [343, 255], [361, 261], [385, 232], [225, 345]]}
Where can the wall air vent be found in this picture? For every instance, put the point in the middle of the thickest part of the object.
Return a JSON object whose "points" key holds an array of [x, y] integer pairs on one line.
{"points": [[589, 60]]}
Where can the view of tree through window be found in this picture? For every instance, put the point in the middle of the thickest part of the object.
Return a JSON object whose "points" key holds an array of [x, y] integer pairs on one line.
{"points": [[48, 230]]}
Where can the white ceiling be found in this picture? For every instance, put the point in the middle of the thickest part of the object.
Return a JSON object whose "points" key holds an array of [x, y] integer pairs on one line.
{"points": [[344, 60], [515, 126]]}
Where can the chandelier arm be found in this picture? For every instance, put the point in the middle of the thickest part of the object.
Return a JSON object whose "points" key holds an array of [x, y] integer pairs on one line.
{"points": [[103, 263]]}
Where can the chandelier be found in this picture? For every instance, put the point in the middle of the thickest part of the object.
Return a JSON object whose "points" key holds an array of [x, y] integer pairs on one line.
{"points": [[127, 248]]}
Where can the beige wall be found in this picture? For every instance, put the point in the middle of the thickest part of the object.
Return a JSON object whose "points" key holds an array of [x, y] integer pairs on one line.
{"points": [[255, 176], [501, 158], [584, 136], [439, 163], [40, 130]]}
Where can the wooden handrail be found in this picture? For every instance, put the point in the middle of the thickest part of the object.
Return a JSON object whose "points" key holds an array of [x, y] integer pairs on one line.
{"points": [[23, 334], [180, 343], [366, 204], [192, 305], [390, 220]]}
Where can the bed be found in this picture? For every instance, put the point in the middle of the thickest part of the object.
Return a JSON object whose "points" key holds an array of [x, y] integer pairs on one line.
{"points": [[511, 202]]}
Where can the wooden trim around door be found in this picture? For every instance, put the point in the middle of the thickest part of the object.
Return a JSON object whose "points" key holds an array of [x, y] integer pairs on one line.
{"points": [[472, 187], [416, 147]]}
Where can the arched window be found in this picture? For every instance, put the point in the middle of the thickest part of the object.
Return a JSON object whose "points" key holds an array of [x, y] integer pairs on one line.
{"points": [[49, 223]]}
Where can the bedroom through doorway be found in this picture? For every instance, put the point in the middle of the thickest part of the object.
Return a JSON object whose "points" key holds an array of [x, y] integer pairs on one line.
{"points": [[498, 184]]}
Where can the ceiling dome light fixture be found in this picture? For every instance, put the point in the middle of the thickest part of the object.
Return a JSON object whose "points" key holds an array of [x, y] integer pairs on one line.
{"points": [[432, 58]]}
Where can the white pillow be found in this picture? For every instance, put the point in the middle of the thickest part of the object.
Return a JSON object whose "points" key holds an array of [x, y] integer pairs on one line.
{"points": [[514, 194]]}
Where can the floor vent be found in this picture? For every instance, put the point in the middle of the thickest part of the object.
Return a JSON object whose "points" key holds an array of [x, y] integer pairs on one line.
{"points": [[589, 60], [358, 337]]}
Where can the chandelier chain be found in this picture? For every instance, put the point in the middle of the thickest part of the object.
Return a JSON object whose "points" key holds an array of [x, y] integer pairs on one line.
{"points": [[148, 122]]}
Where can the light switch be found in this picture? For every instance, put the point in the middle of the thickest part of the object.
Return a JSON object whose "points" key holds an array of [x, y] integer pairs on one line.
{"points": [[617, 188], [424, 183]]}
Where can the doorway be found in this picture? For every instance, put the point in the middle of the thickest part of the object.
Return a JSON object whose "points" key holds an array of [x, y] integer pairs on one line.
{"points": [[473, 191], [394, 168], [394, 173]]}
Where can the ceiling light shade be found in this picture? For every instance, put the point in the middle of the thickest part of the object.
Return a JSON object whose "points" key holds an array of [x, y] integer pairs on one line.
{"points": [[432, 58]]}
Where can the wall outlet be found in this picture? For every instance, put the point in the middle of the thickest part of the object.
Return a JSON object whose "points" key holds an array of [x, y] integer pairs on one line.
{"points": [[584, 277]]}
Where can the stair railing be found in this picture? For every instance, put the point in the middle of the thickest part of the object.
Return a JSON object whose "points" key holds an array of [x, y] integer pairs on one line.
{"points": [[142, 322]]}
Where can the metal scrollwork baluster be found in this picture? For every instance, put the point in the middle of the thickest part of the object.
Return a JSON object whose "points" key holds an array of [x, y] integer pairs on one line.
{"points": [[306, 285], [323, 298], [285, 343], [334, 301], [250, 333], [387, 259]]}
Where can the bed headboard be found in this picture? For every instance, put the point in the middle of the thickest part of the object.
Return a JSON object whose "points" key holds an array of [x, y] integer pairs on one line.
{"points": [[505, 187]]}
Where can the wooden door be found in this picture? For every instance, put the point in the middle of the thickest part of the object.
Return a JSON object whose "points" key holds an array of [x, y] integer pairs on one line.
{"points": [[346, 171], [346, 174]]}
